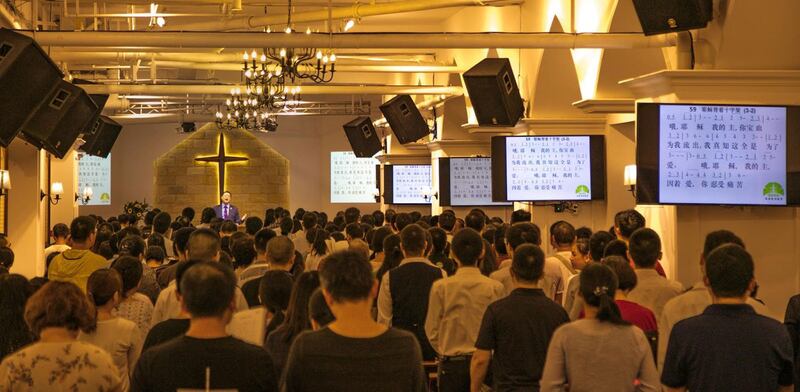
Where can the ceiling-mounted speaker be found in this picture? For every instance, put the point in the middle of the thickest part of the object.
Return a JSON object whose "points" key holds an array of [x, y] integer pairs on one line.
{"points": [[362, 137], [404, 118], [669, 16], [100, 142], [27, 77], [57, 123], [494, 93]]}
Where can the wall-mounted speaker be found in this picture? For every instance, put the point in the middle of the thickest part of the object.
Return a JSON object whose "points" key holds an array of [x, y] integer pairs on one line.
{"points": [[56, 124], [27, 77], [405, 119], [494, 93], [102, 139], [668, 16], [362, 137]]}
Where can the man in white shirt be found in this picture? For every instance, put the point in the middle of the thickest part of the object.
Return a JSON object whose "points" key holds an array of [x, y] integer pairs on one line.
{"points": [[301, 243], [60, 234], [562, 238], [528, 233], [652, 290]]}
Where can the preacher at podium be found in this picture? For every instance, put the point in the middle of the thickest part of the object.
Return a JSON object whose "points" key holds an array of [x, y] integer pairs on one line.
{"points": [[226, 210]]}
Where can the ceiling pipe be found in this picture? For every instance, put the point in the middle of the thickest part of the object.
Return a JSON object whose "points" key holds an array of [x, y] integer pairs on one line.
{"points": [[339, 68], [356, 11], [77, 56], [167, 89], [356, 40]]}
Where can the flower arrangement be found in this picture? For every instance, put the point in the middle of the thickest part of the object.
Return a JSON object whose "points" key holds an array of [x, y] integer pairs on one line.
{"points": [[137, 208]]}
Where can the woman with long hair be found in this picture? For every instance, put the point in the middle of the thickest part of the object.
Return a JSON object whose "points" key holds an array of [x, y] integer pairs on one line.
{"points": [[14, 292], [321, 246], [393, 255], [602, 352], [297, 320]]}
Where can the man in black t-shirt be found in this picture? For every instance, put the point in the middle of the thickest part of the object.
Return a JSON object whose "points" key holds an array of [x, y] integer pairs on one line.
{"points": [[206, 358]]}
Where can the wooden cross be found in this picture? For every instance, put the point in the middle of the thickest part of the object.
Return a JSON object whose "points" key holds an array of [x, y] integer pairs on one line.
{"points": [[221, 159]]}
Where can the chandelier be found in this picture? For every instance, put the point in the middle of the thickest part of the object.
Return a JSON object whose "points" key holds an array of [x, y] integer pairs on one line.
{"points": [[255, 109]]}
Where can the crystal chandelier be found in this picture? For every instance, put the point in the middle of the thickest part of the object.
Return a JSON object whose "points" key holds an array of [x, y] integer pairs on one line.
{"points": [[255, 109]]}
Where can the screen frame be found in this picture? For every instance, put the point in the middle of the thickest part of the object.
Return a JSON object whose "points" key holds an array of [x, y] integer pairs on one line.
{"points": [[445, 196], [597, 168], [388, 184], [648, 154]]}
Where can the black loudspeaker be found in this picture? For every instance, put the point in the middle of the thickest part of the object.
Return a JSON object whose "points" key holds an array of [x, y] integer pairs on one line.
{"points": [[405, 119], [57, 123], [494, 93], [99, 142], [362, 136], [27, 77], [667, 16], [188, 127]]}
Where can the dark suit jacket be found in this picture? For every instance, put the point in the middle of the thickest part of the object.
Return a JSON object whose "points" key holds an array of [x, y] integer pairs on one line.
{"points": [[233, 213]]}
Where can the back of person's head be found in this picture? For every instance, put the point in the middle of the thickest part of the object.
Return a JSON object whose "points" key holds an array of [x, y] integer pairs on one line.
{"points": [[252, 224], [228, 227], [188, 213], [14, 292], [207, 289], [60, 305], [156, 240], [598, 285], [319, 311], [6, 257], [379, 218], [439, 240], [499, 239], [626, 277], [715, 239], [102, 285], [82, 228], [286, 226], [130, 270], [378, 237], [729, 271], [60, 230], [368, 220], [297, 319], [180, 269], [280, 250], [528, 263], [361, 246], [309, 221], [597, 244], [468, 247], [562, 233], [274, 290], [269, 216], [393, 254], [645, 248], [351, 215], [402, 220], [261, 239], [298, 214], [132, 245], [207, 215], [520, 216], [243, 251], [180, 239], [354, 231], [204, 244], [149, 216], [523, 233], [318, 240], [161, 222], [583, 232], [413, 240], [447, 221], [155, 253], [615, 248], [415, 216], [475, 220], [124, 219], [389, 216], [346, 276], [628, 221]]}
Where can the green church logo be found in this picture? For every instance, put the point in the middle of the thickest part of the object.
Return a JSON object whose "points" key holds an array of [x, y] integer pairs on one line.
{"points": [[773, 189], [582, 190]]}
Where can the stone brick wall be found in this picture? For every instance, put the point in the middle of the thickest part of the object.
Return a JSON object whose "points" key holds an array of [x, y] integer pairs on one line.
{"points": [[257, 184]]}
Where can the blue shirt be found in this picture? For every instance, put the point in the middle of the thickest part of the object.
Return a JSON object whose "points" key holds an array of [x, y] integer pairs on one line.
{"points": [[728, 348]]}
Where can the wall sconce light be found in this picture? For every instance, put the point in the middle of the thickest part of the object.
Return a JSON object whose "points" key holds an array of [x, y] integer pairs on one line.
{"points": [[377, 195], [56, 189], [429, 195], [86, 196], [630, 179], [5, 182]]}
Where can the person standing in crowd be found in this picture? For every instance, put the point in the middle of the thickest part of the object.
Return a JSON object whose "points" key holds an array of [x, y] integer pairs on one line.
{"points": [[227, 211], [516, 330], [319, 312], [280, 257], [528, 233], [76, 264], [56, 314], [729, 347], [631, 312], [602, 352], [301, 242], [297, 320], [334, 358], [134, 306], [627, 222], [562, 239], [60, 235], [255, 324], [14, 292], [206, 358], [134, 246], [455, 309], [405, 290], [161, 229], [652, 290]]}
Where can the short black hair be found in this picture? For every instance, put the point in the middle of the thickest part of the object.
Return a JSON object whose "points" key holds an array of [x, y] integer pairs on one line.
{"points": [[287, 224], [252, 224], [208, 289], [318, 309], [597, 244], [354, 230], [468, 246], [81, 228], [414, 238], [207, 215], [520, 216], [499, 239], [132, 245], [351, 215], [60, 230], [243, 251], [380, 234], [155, 253], [347, 276], [309, 220], [644, 247], [523, 233], [180, 238], [475, 220], [628, 221], [563, 232], [438, 239], [715, 239], [402, 220], [615, 248], [447, 221], [729, 269], [228, 226], [626, 277], [262, 237], [379, 216], [274, 290], [6, 257], [161, 222], [204, 244], [583, 232], [130, 269], [188, 212], [180, 269], [368, 220], [528, 263]]}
